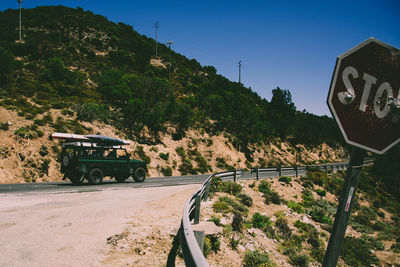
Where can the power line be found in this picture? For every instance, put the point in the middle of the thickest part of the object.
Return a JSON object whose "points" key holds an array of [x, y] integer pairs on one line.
{"points": [[20, 36], [156, 26]]}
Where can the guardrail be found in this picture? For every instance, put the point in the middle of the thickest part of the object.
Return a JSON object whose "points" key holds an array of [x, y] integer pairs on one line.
{"points": [[186, 237]]}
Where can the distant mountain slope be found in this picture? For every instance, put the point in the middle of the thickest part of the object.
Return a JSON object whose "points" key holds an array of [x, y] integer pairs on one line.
{"points": [[106, 71]]}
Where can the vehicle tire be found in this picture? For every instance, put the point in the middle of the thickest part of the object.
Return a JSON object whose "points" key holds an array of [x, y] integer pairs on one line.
{"points": [[120, 179], [66, 159], [95, 176], [139, 175], [77, 179]]}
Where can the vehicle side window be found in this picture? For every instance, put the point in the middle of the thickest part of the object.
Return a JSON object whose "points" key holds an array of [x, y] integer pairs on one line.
{"points": [[122, 154]]}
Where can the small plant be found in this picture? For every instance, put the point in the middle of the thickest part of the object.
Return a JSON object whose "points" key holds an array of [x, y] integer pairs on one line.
{"points": [[216, 220], [357, 252], [164, 156], [285, 179], [257, 258], [167, 171], [259, 221], [296, 207], [283, 228], [43, 151], [264, 187], [273, 197], [245, 199], [4, 126], [237, 221], [140, 152], [320, 192], [234, 242], [45, 166]]}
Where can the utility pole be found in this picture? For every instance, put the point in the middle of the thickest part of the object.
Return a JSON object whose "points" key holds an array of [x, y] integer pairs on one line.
{"points": [[156, 26], [240, 70], [169, 43], [20, 36]]}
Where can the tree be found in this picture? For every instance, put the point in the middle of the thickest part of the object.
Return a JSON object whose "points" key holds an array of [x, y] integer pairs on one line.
{"points": [[7, 66], [283, 111]]}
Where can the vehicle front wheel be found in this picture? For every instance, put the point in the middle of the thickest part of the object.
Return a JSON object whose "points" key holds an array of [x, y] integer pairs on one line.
{"points": [[95, 176], [139, 175], [77, 179]]}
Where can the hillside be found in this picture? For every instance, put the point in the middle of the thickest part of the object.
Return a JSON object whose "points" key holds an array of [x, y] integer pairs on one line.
{"points": [[79, 72], [273, 222]]}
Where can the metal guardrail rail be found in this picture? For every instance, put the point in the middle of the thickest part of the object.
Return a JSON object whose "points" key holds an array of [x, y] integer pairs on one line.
{"points": [[192, 253]]}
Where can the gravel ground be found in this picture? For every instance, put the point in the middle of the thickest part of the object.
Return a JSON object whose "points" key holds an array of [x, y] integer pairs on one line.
{"points": [[71, 229]]}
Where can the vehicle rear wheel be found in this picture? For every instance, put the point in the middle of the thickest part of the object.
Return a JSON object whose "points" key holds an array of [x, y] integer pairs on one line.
{"points": [[120, 179], [139, 175], [77, 179], [95, 176]]}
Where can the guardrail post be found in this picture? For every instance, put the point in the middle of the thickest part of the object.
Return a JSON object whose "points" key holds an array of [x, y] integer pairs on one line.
{"points": [[257, 174], [234, 176], [279, 171], [296, 169], [206, 192], [199, 235], [326, 169], [197, 209]]}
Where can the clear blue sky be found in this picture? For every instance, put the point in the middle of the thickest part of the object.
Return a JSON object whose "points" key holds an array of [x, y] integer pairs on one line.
{"points": [[291, 44]]}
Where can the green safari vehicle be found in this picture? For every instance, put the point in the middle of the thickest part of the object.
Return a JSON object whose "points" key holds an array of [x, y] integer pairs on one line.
{"points": [[92, 161]]}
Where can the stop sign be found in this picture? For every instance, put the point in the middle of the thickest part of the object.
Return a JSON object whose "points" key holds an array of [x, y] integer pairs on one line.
{"points": [[364, 96]]}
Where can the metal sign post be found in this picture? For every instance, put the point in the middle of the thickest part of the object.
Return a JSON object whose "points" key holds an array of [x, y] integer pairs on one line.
{"points": [[344, 208]]}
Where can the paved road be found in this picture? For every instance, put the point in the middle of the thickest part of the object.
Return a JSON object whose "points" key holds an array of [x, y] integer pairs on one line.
{"points": [[66, 186]]}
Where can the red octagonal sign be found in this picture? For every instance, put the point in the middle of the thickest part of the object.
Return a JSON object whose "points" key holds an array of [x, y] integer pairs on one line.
{"points": [[364, 97]]}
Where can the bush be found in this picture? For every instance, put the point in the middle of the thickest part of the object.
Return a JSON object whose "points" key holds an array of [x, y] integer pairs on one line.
{"points": [[237, 221], [285, 179], [308, 199], [221, 206], [300, 260], [320, 192], [45, 166], [139, 150], [256, 258], [4, 126], [357, 252], [259, 221], [273, 197], [43, 151], [216, 220], [232, 188], [319, 215], [164, 156], [296, 207], [245, 199], [167, 171], [283, 228], [264, 187], [365, 216]]}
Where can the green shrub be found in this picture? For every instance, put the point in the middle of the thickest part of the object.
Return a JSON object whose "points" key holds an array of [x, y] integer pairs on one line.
{"points": [[43, 151], [216, 220], [285, 179], [142, 155], [237, 221], [206, 246], [164, 156], [308, 199], [167, 171], [221, 206], [283, 228], [296, 207], [257, 258], [320, 192], [232, 188], [357, 252], [259, 221], [300, 260], [4, 126], [234, 242], [319, 215], [45, 166], [264, 187], [221, 163], [245, 199], [273, 197], [365, 216]]}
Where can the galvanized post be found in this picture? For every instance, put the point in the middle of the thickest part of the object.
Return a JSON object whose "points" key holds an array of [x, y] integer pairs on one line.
{"points": [[257, 174], [234, 176], [296, 169], [344, 208], [199, 235], [279, 171], [206, 192], [326, 169], [197, 209]]}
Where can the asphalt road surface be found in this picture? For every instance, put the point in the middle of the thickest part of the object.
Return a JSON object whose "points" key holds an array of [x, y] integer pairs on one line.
{"points": [[66, 186]]}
